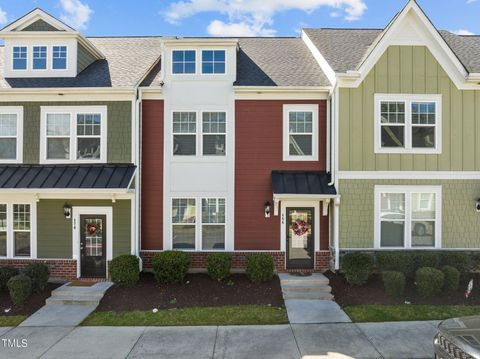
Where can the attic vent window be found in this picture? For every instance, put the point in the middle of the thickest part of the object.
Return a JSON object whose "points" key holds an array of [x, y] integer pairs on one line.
{"points": [[59, 57], [39, 57], [20, 58]]}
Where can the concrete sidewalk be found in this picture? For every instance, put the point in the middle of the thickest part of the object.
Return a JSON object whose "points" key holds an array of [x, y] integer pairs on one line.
{"points": [[412, 340]]}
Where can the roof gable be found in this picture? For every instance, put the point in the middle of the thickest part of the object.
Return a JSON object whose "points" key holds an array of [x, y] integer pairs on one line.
{"points": [[38, 20], [40, 25]]}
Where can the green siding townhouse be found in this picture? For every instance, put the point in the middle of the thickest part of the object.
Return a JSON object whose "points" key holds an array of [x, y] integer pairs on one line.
{"points": [[405, 134], [68, 145]]}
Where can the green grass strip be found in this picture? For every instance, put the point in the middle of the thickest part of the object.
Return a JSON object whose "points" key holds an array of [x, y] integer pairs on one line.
{"points": [[11, 321], [228, 315], [404, 312]]}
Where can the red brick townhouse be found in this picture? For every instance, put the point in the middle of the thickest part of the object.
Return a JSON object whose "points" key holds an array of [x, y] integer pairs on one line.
{"points": [[235, 152]]}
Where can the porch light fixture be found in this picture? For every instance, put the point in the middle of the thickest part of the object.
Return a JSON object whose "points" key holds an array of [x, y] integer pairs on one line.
{"points": [[67, 211], [268, 207], [477, 205]]}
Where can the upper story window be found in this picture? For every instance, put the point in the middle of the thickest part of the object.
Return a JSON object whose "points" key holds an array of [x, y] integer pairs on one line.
{"points": [[214, 133], [74, 134], [11, 126], [213, 61], [20, 57], [408, 123], [59, 57], [39, 57], [184, 133], [300, 132], [183, 61]]}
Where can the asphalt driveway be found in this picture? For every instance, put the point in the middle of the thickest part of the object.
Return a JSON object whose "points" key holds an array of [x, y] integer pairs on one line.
{"points": [[313, 341]]}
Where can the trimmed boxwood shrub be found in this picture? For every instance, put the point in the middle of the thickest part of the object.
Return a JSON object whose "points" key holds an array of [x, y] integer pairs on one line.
{"points": [[170, 266], [396, 261], [259, 267], [425, 259], [219, 265], [394, 283], [459, 260], [5, 274], [20, 288], [357, 267], [429, 281], [125, 270], [39, 274], [452, 278]]}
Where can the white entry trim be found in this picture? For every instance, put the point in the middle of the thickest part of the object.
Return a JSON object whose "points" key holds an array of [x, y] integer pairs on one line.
{"points": [[77, 211]]}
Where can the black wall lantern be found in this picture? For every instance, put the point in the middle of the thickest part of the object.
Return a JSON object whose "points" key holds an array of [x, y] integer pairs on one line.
{"points": [[268, 207], [477, 205], [67, 211]]}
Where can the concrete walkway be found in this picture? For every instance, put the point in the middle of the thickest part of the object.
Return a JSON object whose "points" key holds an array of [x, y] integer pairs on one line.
{"points": [[412, 340]]}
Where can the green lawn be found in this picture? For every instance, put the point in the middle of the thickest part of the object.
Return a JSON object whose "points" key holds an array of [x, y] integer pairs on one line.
{"points": [[11, 321], [404, 312], [228, 315]]}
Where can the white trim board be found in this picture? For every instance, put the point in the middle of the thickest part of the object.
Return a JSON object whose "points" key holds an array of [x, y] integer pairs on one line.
{"points": [[409, 175], [18, 112]]}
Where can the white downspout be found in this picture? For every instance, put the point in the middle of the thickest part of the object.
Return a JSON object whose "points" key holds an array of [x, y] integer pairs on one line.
{"points": [[336, 236], [138, 99]]}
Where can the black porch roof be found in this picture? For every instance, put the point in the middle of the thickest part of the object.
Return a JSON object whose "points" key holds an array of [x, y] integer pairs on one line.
{"points": [[302, 182]]}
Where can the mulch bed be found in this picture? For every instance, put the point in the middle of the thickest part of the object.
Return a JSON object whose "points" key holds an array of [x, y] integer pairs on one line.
{"points": [[199, 290], [35, 302], [373, 292]]}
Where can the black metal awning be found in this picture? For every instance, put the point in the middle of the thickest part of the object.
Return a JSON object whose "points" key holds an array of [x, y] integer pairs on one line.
{"points": [[302, 183], [83, 176]]}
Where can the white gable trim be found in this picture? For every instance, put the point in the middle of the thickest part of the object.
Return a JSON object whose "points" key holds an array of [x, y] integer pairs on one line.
{"points": [[322, 62], [412, 19], [31, 17]]}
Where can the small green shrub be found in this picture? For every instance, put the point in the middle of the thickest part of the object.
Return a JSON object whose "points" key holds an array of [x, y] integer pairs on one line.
{"points": [[400, 261], [429, 281], [452, 278], [39, 274], [259, 267], [5, 274], [459, 260], [170, 266], [357, 267], [125, 270], [219, 265], [20, 288], [425, 259], [394, 283]]}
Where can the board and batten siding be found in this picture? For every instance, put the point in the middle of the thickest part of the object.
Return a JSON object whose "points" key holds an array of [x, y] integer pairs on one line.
{"points": [[409, 70], [119, 128], [460, 221], [54, 232]]}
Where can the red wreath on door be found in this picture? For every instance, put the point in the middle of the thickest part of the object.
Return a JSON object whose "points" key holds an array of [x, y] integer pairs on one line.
{"points": [[300, 227], [91, 228]]}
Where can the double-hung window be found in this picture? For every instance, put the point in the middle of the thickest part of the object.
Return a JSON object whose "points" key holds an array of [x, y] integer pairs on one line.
{"points": [[59, 57], [213, 61], [74, 134], [300, 132], [408, 123], [213, 223], [39, 57], [20, 57], [183, 223], [184, 133], [16, 229], [214, 129], [11, 133], [407, 216], [183, 61]]}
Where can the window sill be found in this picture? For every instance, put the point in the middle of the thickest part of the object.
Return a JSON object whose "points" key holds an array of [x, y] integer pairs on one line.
{"points": [[403, 151]]}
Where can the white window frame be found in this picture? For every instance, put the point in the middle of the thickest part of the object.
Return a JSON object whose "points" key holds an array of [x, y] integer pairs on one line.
{"points": [[197, 150], [286, 133], [213, 73], [408, 191], [52, 58], [224, 224], [198, 223], [27, 59], [408, 99], [202, 134], [18, 111], [46, 59], [183, 73], [11, 232], [73, 111]]}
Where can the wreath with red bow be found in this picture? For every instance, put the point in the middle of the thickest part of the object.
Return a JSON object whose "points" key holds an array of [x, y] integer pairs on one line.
{"points": [[300, 227], [91, 228]]}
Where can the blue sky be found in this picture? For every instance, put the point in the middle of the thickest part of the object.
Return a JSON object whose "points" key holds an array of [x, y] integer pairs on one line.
{"points": [[238, 17]]}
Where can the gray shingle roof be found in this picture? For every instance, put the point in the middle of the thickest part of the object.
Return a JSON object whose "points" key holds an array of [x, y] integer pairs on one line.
{"points": [[127, 60], [467, 49], [277, 62]]}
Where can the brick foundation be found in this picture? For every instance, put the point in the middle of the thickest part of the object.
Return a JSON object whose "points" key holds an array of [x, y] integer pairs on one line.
{"points": [[60, 269]]}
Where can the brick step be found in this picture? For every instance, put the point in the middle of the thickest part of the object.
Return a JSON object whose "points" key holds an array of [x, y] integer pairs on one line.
{"points": [[70, 300], [306, 288], [308, 295]]}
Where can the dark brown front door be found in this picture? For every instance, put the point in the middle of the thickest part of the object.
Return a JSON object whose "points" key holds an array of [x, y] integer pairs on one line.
{"points": [[300, 238], [93, 245]]}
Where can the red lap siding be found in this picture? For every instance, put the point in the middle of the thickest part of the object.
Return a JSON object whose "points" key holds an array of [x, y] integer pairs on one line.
{"points": [[258, 151], [152, 174]]}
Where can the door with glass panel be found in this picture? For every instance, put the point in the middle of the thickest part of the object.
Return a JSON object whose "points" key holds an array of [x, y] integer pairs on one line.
{"points": [[93, 245], [300, 238]]}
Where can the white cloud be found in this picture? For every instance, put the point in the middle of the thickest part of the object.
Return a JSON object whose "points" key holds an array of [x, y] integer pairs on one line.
{"points": [[471, 1], [335, 14], [75, 13], [255, 17], [463, 32], [3, 16]]}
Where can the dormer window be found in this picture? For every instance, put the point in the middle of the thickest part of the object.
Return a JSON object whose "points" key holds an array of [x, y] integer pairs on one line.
{"points": [[59, 57], [213, 61], [19, 57], [183, 61], [39, 57]]}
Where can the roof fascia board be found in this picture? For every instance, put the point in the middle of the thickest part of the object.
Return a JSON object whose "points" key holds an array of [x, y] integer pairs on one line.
{"points": [[276, 89], [33, 16], [198, 42], [322, 62]]}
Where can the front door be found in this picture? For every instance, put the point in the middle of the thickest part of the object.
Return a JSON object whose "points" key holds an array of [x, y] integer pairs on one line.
{"points": [[300, 238], [93, 245]]}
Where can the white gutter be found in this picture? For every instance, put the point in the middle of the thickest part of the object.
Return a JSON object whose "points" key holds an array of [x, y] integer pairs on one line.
{"points": [[277, 89]]}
